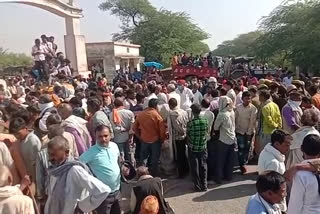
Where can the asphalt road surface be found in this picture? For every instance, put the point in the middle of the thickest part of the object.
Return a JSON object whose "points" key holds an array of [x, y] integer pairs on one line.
{"points": [[228, 198]]}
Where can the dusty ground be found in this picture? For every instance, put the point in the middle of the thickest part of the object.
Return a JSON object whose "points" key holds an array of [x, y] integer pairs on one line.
{"points": [[229, 198]]}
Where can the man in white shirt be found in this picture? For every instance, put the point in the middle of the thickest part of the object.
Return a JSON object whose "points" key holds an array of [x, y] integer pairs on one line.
{"points": [[197, 96], [152, 95], [230, 92], [186, 95], [287, 80], [207, 114], [272, 157], [162, 97], [172, 93], [122, 129], [48, 45], [39, 55], [246, 118], [305, 192], [38, 51]]}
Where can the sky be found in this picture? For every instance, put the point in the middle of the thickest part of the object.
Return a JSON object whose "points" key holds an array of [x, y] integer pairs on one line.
{"points": [[222, 19]]}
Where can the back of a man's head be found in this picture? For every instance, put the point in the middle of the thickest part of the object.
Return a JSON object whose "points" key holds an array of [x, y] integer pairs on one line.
{"points": [[118, 102], [153, 103], [173, 103], [311, 145], [55, 130], [196, 109], [45, 98], [152, 88], [140, 96], [17, 124], [205, 103], [65, 110]]}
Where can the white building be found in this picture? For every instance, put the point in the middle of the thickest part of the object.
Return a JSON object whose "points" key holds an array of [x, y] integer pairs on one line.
{"points": [[113, 56]]}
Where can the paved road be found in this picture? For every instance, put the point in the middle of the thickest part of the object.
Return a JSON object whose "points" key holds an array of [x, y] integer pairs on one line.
{"points": [[229, 198]]}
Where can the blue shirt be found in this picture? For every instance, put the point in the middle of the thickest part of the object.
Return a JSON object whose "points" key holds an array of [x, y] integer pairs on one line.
{"points": [[255, 207], [103, 162]]}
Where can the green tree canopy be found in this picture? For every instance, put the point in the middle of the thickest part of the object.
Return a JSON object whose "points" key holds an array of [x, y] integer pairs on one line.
{"points": [[293, 30], [288, 36], [12, 59], [240, 46], [159, 32]]}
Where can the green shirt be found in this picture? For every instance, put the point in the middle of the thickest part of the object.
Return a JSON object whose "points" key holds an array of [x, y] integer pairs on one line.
{"points": [[196, 133]]}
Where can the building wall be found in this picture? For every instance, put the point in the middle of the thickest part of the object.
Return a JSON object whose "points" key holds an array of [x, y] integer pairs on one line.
{"points": [[105, 52], [126, 51], [111, 54]]}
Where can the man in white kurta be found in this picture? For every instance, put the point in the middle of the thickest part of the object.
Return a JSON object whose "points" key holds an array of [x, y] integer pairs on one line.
{"points": [[305, 192], [81, 190]]}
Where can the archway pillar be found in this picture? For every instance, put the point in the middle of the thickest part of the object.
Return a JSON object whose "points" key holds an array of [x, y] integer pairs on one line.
{"points": [[75, 46]]}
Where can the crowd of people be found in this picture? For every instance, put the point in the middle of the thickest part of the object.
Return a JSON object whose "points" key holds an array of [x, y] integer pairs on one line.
{"points": [[70, 143], [48, 63], [199, 61]]}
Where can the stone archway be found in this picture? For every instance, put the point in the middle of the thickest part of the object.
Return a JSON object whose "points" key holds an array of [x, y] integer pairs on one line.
{"points": [[75, 48]]}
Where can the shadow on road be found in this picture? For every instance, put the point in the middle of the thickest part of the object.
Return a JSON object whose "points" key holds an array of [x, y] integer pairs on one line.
{"points": [[227, 193]]}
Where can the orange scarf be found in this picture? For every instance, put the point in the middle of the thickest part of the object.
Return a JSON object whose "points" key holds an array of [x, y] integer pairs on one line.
{"points": [[116, 116]]}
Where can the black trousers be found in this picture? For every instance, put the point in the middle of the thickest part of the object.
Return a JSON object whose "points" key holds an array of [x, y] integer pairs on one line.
{"points": [[198, 168], [110, 205], [211, 161], [225, 157], [182, 160]]}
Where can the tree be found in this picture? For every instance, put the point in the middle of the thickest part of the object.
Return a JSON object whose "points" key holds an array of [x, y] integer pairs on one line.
{"points": [[159, 32], [293, 31], [12, 59], [240, 46]]}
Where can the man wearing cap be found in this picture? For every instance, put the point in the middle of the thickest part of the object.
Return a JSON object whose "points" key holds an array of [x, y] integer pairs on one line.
{"points": [[292, 113], [186, 95]]}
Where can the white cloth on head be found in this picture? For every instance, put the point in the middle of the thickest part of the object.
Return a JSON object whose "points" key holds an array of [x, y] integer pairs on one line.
{"points": [[225, 122], [295, 107]]}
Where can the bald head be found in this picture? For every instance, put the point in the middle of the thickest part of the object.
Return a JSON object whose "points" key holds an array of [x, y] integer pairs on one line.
{"points": [[6, 178], [65, 110]]}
